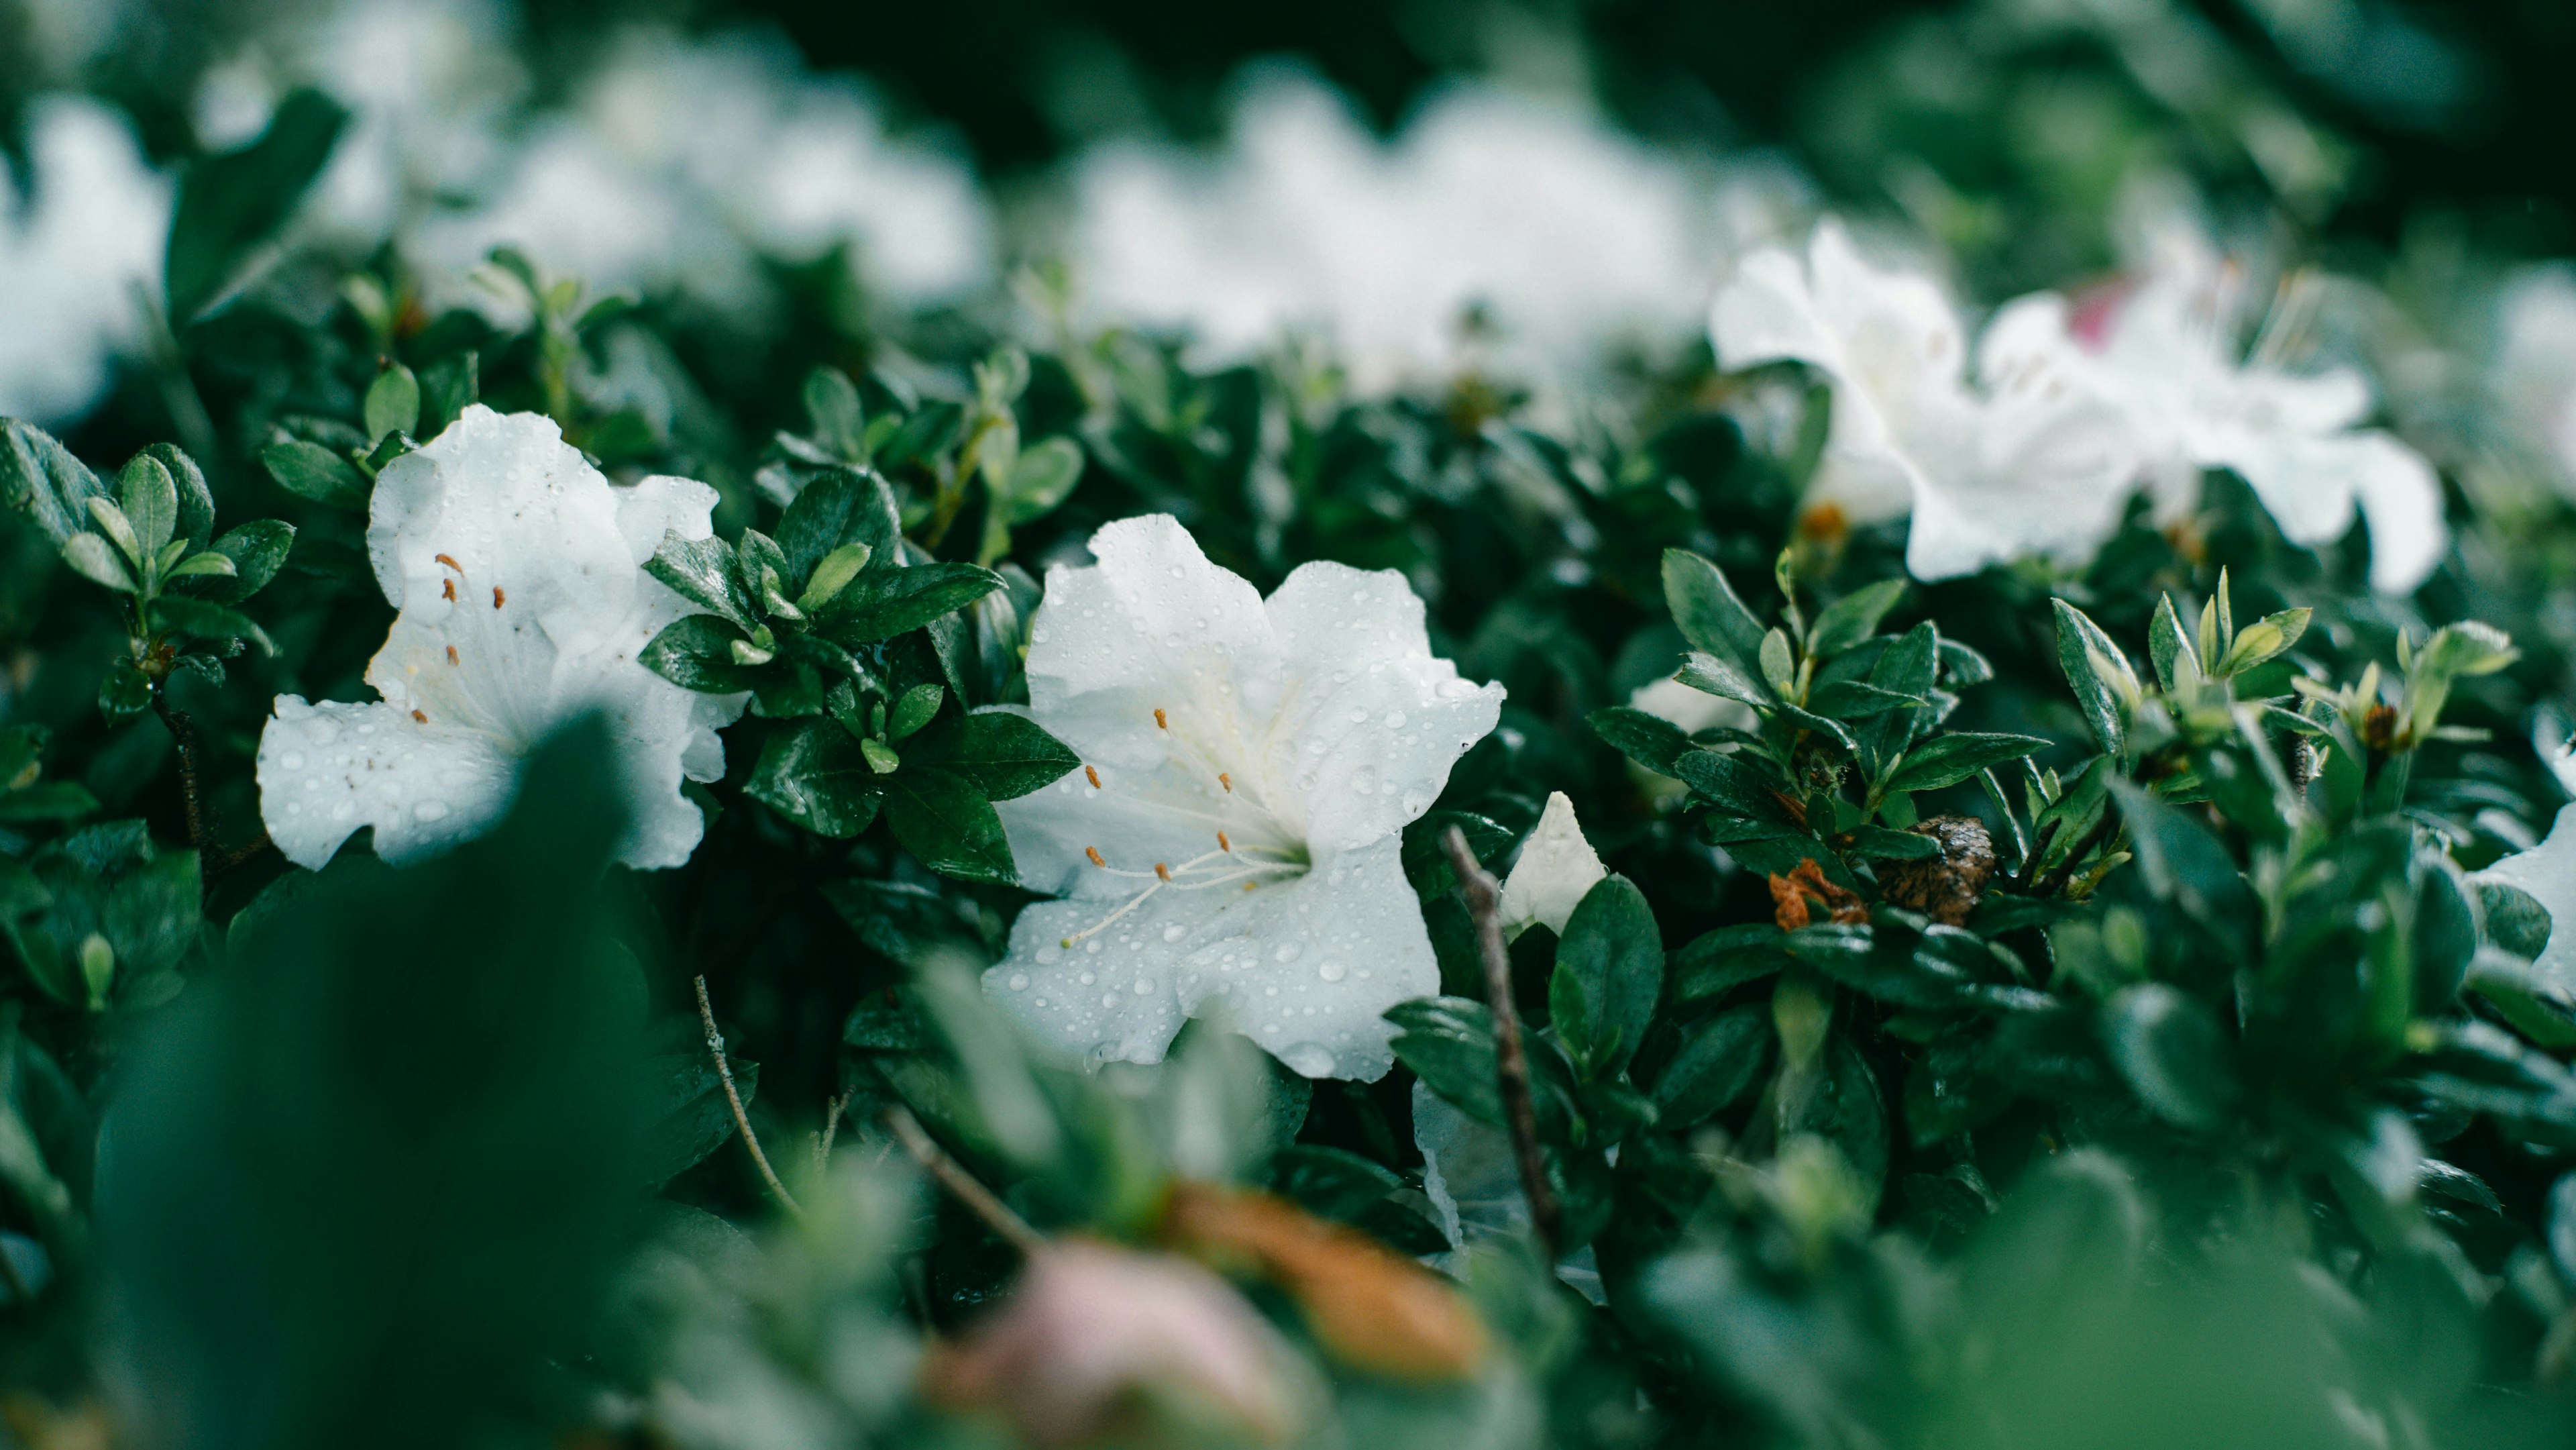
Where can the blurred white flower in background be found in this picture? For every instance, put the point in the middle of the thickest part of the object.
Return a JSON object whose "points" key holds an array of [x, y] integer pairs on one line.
{"points": [[2535, 366], [683, 160], [2030, 460], [1557, 232], [2166, 349], [79, 234], [1232, 842], [517, 569]]}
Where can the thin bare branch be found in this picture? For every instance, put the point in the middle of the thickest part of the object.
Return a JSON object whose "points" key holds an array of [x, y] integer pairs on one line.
{"points": [[1511, 1060], [733, 1099], [961, 1185]]}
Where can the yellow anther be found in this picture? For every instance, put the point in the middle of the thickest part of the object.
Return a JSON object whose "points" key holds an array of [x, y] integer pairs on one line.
{"points": [[1093, 776], [1162, 872], [1159, 722], [1094, 853], [1225, 780], [1223, 844]]}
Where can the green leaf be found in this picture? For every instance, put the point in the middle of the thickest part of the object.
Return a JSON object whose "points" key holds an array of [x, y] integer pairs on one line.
{"points": [[206, 620], [1649, 740], [1727, 958], [93, 559], [1711, 675], [1778, 669], [150, 498], [1708, 612], [1853, 618], [813, 774], [838, 508], [1042, 477], [1448, 1042], [1845, 1109], [40, 478], [212, 563], [447, 389], [51, 801], [309, 470], [2514, 918], [2172, 1054], [1735, 786], [1949, 759], [943, 819], [687, 1115], [2171, 648], [914, 711], [1007, 755], [2261, 640], [1613, 957], [2104, 684], [1720, 1057], [832, 575], [257, 550], [1852, 700], [836, 418], [229, 204], [695, 652], [702, 572], [1878, 843], [883, 602], [393, 402], [1907, 667], [2182, 862]]}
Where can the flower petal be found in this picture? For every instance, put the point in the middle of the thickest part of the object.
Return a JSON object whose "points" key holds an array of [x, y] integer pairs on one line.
{"points": [[1372, 721], [325, 770], [1153, 616], [1305, 967], [1556, 867]]}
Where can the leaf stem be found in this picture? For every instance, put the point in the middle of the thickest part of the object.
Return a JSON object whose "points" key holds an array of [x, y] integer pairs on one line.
{"points": [[733, 1099], [961, 1185], [1511, 1061]]}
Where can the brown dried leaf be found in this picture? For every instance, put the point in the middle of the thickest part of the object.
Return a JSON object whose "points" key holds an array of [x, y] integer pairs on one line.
{"points": [[1792, 894], [1366, 1304]]}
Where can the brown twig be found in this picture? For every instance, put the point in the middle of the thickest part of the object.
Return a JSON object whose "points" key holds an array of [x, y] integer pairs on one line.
{"points": [[831, 1129], [733, 1099], [1511, 1062], [961, 1185], [183, 732]]}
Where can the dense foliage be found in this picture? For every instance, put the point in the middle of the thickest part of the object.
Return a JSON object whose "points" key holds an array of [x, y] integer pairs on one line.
{"points": [[2095, 996]]}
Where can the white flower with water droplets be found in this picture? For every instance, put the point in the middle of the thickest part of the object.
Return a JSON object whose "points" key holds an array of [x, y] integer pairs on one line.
{"points": [[2029, 461], [517, 571], [2548, 872], [2166, 350], [1230, 845], [1556, 867]]}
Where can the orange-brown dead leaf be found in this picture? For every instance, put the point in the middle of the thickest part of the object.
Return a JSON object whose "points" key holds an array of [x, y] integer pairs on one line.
{"points": [[1795, 897], [1366, 1304]]}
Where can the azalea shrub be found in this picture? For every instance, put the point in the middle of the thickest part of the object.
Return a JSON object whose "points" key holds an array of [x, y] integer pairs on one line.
{"points": [[668, 779]]}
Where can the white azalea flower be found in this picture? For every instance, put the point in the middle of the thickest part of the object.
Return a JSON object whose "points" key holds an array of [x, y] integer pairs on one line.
{"points": [[1230, 846], [1561, 232], [88, 232], [2167, 352], [1556, 866], [2535, 366], [2548, 872], [517, 571], [2030, 461]]}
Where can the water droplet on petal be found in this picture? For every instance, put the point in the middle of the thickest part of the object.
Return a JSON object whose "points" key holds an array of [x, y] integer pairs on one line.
{"points": [[1175, 932], [1019, 981], [1332, 971], [1288, 951], [1312, 1059], [1395, 719], [1088, 978], [1144, 987]]}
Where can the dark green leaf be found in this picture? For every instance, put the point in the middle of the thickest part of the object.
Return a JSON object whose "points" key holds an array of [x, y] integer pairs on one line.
{"points": [[1649, 740], [40, 478], [1710, 615], [1042, 477], [702, 572], [1853, 618], [206, 620], [1006, 755], [309, 470], [1719, 1058], [695, 652], [885, 602], [813, 774], [1949, 759], [1448, 1042], [258, 550], [2172, 1054], [230, 204], [1613, 956], [2098, 673], [1728, 957], [944, 820]]}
